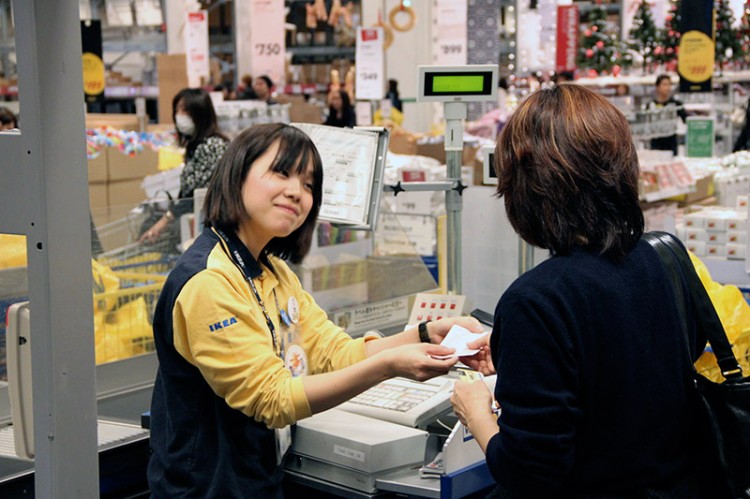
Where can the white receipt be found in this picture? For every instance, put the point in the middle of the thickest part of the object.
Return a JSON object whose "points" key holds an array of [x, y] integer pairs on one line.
{"points": [[458, 337]]}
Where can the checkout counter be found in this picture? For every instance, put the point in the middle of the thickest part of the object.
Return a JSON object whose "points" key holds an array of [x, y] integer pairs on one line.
{"points": [[366, 284]]}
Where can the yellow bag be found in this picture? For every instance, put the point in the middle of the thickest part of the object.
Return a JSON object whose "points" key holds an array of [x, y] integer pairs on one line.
{"points": [[124, 332], [728, 301], [105, 281], [734, 313], [12, 251]]}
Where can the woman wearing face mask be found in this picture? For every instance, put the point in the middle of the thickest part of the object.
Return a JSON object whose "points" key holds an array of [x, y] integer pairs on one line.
{"points": [[198, 132]]}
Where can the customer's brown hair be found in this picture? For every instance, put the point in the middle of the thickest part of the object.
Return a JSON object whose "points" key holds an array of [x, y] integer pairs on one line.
{"points": [[568, 171]]}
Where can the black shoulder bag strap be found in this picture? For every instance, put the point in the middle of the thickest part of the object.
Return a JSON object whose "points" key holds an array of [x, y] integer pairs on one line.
{"points": [[674, 256]]}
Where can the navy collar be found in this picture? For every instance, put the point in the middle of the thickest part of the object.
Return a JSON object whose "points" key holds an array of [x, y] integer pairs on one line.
{"points": [[239, 253]]}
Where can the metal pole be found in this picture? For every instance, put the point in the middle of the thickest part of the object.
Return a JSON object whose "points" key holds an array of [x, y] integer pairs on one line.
{"points": [[46, 198], [455, 113]]}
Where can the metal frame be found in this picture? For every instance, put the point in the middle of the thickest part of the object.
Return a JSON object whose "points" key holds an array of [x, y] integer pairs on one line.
{"points": [[45, 197]]}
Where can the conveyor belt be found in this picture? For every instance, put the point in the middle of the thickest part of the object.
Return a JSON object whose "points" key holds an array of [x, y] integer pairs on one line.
{"points": [[110, 433]]}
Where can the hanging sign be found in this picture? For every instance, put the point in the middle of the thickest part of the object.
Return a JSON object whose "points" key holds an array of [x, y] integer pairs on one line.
{"points": [[196, 48], [449, 33], [93, 66], [369, 57], [267, 45], [695, 60], [567, 38]]}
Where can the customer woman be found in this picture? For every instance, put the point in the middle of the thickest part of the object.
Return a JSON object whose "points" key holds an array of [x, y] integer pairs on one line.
{"points": [[594, 370], [243, 350], [198, 132], [340, 110]]}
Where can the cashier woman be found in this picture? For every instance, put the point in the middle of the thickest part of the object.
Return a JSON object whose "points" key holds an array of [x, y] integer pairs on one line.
{"points": [[244, 352]]}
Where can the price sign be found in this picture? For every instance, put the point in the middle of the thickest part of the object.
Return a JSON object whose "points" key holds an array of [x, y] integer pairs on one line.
{"points": [[699, 140], [196, 48], [369, 56], [696, 57], [450, 21], [267, 39]]}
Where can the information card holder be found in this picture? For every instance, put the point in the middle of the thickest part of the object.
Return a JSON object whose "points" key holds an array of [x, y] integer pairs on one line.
{"points": [[353, 166]]}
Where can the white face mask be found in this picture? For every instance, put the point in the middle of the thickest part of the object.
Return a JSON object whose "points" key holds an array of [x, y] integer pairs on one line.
{"points": [[184, 124]]}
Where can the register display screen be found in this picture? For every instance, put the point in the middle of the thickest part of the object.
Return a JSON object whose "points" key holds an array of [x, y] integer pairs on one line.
{"points": [[453, 83]]}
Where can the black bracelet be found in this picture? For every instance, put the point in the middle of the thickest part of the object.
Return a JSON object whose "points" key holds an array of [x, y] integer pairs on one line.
{"points": [[424, 336]]}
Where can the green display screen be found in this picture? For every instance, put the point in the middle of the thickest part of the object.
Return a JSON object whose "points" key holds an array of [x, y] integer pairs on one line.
{"points": [[457, 83]]}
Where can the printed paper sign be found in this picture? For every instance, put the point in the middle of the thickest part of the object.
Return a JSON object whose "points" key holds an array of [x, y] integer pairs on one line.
{"points": [[369, 56], [196, 48], [268, 49]]}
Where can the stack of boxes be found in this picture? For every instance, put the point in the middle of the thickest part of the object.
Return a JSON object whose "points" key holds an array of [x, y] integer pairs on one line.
{"points": [[115, 180], [717, 231]]}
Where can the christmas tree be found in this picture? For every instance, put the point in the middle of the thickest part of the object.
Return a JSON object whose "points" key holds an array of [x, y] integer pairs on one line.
{"points": [[599, 49], [666, 53], [744, 34], [727, 40], [643, 34]]}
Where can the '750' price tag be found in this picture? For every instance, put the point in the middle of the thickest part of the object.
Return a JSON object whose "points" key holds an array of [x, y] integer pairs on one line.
{"points": [[267, 49]]}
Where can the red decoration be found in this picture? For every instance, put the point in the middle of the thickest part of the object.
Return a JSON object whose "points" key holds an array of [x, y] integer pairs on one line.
{"points": [[589, 53], [587, 32], [595, 28], [593, 73], [599, 44], [616, 70]]}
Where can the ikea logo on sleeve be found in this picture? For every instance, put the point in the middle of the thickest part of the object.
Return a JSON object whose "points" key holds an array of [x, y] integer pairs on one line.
{"points": [[222, 324]]}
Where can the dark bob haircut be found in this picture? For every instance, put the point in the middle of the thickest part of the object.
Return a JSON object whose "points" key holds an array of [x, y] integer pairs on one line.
{"points": [[567, 168], [223, 205], [198, 106]]}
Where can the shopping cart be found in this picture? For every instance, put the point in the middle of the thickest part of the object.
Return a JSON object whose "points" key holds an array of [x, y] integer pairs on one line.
{"points": [[128, 277]]}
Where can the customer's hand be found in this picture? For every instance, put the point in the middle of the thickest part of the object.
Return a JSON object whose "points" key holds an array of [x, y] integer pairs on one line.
{"points": [[471, 401], [482, 360], [152, 234]]}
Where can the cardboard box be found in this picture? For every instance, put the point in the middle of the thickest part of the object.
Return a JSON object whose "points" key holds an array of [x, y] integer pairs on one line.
{"points": [[432, 150], [695, 221], [716, 237], [302, 112], [716, 250], [125, 193], [704, 187], [692, 234], [114, 120], [123, 167], [171, 72], [736, 251], [98, 195], [402, 144], [737, 236], [98, 168], [698, 248]]}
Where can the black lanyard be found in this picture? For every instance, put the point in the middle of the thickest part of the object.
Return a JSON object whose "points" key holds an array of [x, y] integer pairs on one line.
{"points": [[237, 259]]}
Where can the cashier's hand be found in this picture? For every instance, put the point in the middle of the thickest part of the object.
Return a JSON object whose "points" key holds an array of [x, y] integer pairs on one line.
{"points": [[482, 360], [438, 330], [471, 401], [420, 361]]}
